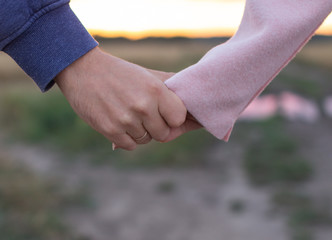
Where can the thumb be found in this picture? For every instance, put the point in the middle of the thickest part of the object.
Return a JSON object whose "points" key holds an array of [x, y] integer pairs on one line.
{"points": [[188, 125]]}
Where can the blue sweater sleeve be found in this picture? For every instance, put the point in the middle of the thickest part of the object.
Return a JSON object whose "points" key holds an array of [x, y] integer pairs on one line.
{"points": [[43, 37]]}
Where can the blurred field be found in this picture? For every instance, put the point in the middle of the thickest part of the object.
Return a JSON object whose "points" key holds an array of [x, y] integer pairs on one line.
{"points": [[284, 166], [32, 207], [318, 53]]}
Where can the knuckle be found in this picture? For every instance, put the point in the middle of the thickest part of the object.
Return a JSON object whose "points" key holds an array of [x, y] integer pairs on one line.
{"points": [[155, 88], [111, 131], [141, 107], [126, 120]]}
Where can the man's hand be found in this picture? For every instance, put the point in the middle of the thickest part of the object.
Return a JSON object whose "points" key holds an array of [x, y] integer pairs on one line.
{"points": [[121, 100]]}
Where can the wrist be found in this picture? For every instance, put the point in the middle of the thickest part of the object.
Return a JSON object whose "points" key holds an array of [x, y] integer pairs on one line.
{"points": [[51, 43], [69, 77]]}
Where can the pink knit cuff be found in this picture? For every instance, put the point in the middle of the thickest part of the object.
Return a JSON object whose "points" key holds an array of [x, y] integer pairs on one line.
{"points": [[221, 85]]}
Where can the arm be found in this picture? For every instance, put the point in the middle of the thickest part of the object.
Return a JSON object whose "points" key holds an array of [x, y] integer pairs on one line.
{"points": [[222, 84], [43, 37]]}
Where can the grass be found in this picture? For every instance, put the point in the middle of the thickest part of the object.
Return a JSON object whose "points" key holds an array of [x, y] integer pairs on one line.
{"points": [[306, 87], [33, 120], [170, 55], [303, 213], [317, 53], [272, 157], [52, 123], [31, 208], [188, 150], [290, 199]]}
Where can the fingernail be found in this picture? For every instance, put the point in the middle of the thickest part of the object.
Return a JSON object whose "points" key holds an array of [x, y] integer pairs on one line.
{"points": [[113, 146]]}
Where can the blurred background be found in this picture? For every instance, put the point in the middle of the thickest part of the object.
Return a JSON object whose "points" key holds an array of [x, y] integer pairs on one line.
{"points": [[61, 180]]}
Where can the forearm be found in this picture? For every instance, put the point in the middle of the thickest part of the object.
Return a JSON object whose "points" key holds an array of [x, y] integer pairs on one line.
{"points": [[220, 86], [45, 41]]}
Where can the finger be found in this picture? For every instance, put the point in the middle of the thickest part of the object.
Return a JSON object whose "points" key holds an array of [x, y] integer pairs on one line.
{"points": [[137, 132], [189, 125], [141, 141], [123, 141], [156, 126], [171, 106], [143, 138], [172, 109]]}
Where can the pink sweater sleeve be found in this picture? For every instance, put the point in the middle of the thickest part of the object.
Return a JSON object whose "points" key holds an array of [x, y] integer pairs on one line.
{"points": [[222, 84]]}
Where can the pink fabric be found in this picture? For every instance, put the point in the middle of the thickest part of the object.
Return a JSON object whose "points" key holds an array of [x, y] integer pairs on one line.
{"points": [[222, 84]]}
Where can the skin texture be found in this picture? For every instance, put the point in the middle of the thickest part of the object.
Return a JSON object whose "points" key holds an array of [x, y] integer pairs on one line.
{"points": [[190, 124], [122, 100]]}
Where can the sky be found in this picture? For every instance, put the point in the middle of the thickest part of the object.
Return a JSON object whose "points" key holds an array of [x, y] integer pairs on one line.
{"points": [[164, 18]]}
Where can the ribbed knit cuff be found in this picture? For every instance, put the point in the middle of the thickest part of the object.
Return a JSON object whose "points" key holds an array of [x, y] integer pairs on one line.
{"points": [[50, 44]]}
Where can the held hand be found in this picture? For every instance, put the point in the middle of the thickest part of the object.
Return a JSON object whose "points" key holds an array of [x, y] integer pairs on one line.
{"points": [[189, 125], [121, 100]]}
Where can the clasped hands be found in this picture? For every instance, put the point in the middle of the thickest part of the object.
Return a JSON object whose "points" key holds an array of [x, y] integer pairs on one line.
{"points": [[127, 103]]}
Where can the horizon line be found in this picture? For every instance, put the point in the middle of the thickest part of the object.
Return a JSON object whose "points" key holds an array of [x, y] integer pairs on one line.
{"points": [[185, 33]]}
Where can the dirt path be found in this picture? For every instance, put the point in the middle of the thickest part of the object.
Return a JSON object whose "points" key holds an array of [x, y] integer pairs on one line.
{"points": [[164, 204], [316, 146]]}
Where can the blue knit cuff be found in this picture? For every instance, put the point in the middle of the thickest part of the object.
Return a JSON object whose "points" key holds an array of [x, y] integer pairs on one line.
{"points": [[50, 44]]}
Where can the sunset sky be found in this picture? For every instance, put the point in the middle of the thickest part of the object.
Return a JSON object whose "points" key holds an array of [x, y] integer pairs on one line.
{"points": [[166, 18]]}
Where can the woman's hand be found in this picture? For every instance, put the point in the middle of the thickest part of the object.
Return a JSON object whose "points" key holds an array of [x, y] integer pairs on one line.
{"points": [[189, 125]]}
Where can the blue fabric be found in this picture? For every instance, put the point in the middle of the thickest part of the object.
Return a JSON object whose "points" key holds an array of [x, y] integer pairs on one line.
{"points": [[43, 37]]}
